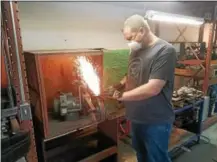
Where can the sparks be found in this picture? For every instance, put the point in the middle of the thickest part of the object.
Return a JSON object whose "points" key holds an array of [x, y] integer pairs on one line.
{"points": [[89, 75]]}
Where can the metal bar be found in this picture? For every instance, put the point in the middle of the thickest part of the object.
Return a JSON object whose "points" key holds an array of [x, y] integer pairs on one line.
{"points": [[208, 58], [191, 106], [17, 55]]}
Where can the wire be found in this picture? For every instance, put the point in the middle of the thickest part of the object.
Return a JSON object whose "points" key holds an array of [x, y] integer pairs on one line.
{"points": [[208, 139]]}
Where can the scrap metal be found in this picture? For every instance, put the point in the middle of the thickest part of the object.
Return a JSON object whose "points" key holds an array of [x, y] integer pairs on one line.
{"points": [[185, 95]]}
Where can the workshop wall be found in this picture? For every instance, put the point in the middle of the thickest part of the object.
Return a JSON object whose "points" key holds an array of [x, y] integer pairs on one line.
{"points": [[67, 25]]}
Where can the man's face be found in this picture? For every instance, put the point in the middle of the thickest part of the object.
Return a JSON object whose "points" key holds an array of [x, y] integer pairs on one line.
{"points": [[136, 36]]}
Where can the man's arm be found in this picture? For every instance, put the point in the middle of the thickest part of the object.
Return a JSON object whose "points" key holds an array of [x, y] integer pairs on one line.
{"points": [[152, 88], [161, 72]]}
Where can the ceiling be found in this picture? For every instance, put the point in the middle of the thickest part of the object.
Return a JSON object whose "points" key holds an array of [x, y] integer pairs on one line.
{"points": [[197, 9]]}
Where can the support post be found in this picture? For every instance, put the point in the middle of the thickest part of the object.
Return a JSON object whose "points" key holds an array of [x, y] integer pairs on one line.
{"points": [[208, 58]]}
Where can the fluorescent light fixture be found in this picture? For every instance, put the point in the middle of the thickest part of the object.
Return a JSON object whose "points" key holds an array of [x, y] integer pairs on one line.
{"points": [[173, 18]]}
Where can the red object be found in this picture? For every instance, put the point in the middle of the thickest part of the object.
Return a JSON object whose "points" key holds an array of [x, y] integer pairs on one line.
{"points": [[191, 62], [51, 72], [208, 58], [4, 81], [124, 127]]}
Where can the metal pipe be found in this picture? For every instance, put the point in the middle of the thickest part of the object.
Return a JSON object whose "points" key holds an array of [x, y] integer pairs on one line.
{"points": [[17, 54]]}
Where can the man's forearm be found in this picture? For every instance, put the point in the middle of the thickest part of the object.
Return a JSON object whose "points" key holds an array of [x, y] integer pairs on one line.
{"points": [[140, 93], [152, 88]]}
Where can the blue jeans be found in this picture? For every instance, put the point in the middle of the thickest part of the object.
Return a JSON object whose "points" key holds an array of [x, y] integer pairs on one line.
{"points": [[151, 142]]}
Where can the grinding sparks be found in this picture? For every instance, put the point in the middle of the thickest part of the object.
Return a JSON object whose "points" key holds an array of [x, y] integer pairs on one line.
{"points": [[89, 75]]}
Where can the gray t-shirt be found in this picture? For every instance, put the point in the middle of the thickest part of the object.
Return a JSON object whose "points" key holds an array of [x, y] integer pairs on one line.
{"points": [[156, 62]]}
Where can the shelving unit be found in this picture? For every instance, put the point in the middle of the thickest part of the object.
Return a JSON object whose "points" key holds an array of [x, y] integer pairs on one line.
{"points": [[13, 50], [205, 63], [207, 81], [187, 137], [193, 73]]}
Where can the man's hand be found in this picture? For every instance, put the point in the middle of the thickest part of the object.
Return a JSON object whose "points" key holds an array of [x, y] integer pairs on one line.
{"points": [[115, 91], [112, 92], [117, 95]]}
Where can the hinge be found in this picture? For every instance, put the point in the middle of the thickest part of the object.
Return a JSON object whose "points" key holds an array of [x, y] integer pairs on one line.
{"points": [[25, 112]]}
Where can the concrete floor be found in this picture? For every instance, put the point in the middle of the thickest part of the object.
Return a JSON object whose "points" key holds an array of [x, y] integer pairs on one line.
{"points": [[208, 152], [204, 152], [211, 133]]}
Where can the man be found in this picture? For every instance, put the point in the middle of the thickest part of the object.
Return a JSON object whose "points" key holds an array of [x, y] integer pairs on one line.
{"points": [[148, 90]]}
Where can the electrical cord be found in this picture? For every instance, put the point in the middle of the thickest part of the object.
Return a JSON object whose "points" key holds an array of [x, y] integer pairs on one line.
{"points": [[206, 138]]}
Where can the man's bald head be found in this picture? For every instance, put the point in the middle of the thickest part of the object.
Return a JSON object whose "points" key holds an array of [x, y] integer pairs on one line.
{"points": [[135, 28], [136, 22]]}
